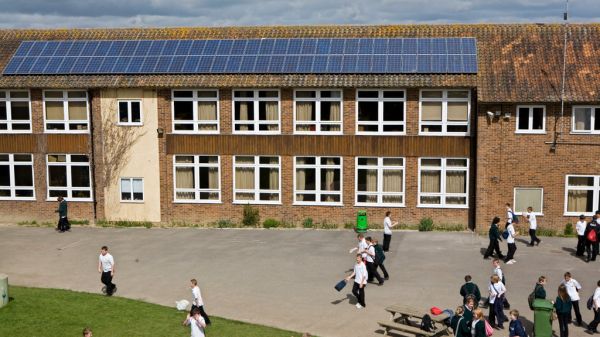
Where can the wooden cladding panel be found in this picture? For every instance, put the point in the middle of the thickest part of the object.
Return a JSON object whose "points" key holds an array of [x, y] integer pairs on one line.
{"points": [[25, 143], [44, 143], [290, 145], [61, 143]]}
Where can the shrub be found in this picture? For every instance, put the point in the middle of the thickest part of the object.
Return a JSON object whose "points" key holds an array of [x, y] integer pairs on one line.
{"points": [[349, 225], [308, 223], [251, 216], [450, 228], [425, 225], [568, 230], [79, 222], [124, 223], [287, 224], [225, 223], [271, 223], [545, 232], [326, 225]]}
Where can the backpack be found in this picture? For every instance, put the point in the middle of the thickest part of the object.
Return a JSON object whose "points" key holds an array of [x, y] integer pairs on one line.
{"points": [[531, 297], [488, 329], [505, 234], [427, 323], [591, 235], [515, 218], [590, 302]]}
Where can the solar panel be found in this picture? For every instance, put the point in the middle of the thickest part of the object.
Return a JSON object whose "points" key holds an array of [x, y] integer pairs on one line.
{"points": [[299, 55]]}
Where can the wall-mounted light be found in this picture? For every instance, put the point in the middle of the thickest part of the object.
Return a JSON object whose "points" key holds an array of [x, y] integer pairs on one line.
{"points": [[160, 132]]}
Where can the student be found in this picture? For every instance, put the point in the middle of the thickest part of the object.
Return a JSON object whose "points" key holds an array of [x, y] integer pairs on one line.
{"points": [[87, 332], [593, 326], [478, 324], [512, 246], [562, 304], [515, 328], [459, 324], [360, 281], [380, 258], [196, 323], [573, 288], [530, 217], [498, 270], [197, 301], [106, 266], [509, 214], [63, 220], [362, 246], [468, 309], [470, 288], [592, 245], [540, 291], [494, 236], [580, 228], [371, 267], [496, 298], [387, 230]]}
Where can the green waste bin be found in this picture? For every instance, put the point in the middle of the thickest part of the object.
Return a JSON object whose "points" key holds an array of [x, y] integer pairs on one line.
{"points": [[361, 222], [542, 318]]}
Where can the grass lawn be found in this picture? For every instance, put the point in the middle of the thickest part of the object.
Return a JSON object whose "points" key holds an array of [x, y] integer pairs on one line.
{"points": [[34, 312]]}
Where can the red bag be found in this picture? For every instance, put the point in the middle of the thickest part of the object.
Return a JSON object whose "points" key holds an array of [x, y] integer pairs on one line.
{"points": [[435, 311]]}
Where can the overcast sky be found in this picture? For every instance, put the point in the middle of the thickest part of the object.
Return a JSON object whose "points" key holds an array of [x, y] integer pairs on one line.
{"points": [[171, 13]]}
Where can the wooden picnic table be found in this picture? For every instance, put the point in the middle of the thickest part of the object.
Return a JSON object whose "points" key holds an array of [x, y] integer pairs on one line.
{"points": [[408, 322], [405, 312]]}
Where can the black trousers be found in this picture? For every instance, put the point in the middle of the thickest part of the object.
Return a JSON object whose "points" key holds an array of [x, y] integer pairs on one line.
{"points": [[592, 250], [594, 324], [563, 323], [107, 281], [577, 312], [512, 248], [372, 270], [580, 245], [493, 246], [359, 293], [202, 313], [386, 242], [534, 238], [496, 315], [382, 267], [63, 224]]}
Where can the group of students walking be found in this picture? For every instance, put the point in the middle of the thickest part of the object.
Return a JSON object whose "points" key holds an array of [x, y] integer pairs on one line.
{"points": [[588, 237]]}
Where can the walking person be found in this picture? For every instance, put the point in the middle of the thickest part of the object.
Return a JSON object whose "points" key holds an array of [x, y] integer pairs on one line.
{"points": [[362, 246], [197, 301], [580, 229], [494, 236], [510, 215], [592, 231], [371, 267], [497, 291], [379, 259], [530, 217], [459, 324], [573, 288], [196, 323], [562, 304], [593, 326], [63, 220], [387, 230], [512, 246], [106, 266], [498, 271], [360, 281], [470, 289], [478, 324]]}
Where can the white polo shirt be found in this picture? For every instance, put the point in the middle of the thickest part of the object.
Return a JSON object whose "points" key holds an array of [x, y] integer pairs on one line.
{"points": [[362, 247], [572, 288], [532, 221], [371, 250], [580, 227], [496, 290], [498, 271], [197, 329], [360, 273], [107, 262], [597, 298], [197, 297], [509, 217], [511, 233], [387, 225]]}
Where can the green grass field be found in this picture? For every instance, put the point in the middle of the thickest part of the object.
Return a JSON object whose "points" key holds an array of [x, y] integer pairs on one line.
{"points": [[35, 312]]}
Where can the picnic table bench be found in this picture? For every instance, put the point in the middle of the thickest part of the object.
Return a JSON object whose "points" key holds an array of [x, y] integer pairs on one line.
{"points": [[408, 322]]}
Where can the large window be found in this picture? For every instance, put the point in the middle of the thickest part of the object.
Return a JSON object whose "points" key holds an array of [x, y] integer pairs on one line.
{"points": [[586, 119], [15, 112], [195, 111], [318, 111], [380, 111], [16, 177], [66, 111], [582, 194], [69, 176], [531, 119], [444, 112], [256, 111], [318, 180], [443, 182], [380, 181], [528, 197], [197, 179], [256, 179], [130, 112], [132, 189]]}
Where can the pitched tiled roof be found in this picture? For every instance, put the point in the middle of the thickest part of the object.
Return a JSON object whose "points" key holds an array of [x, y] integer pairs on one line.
{"points": [[517, 62]]}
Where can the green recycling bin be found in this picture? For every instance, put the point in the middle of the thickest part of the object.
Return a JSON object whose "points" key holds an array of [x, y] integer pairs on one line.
{"points": [[361, 222], [542, 318]]}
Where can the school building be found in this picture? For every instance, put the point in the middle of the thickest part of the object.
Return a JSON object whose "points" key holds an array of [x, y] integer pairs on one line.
{"points": [[191, 124]]}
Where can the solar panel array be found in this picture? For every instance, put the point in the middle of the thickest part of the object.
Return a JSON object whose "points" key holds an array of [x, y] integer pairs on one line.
{"points": [[246, 56]]}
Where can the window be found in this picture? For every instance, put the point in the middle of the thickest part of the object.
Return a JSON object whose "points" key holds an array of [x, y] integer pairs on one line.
{"points": [[15, 112], [380, 181], [130, 112], [380, 111], [69, 177], [66, 111], [528, 197], [132, 189], [318, 180], [16, 177], [195, 111], [256, 111], [197, 179], [585, 121], [318, 111], [582, 194], [444, 112], [531, 119], [256, 179], [443, 182]]}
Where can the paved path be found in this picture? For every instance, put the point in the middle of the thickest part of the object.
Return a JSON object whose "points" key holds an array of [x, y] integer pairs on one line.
{"points": [[281, 278]]}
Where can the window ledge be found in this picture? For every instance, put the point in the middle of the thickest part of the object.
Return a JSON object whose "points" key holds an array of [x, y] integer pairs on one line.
{"points": [[17, 199], [317, 204], [71, 199], [132, 201], [197, 201], [444, 134], [380, 205], [524, 132], [362, 133], [255, 202], [130, 124], [443, 206], [195, 132]]}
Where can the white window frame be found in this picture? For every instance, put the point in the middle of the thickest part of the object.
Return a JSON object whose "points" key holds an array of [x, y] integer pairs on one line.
{"points": [[380, 113], [530, 117], [65, 100], [69, 188], [129, 117], [11, 164], [197, 190], [595, 188], [257, 122], [318, 122], [9, 120], [130, 180], [529, 188], [380, 193], [592, 120], [444, 122], [317, 191], [442, 194], [195, 99], [257, 191]]}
